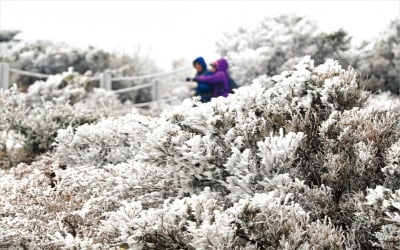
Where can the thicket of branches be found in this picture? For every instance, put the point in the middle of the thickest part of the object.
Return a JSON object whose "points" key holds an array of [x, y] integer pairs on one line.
{"points": [[295, 161]]}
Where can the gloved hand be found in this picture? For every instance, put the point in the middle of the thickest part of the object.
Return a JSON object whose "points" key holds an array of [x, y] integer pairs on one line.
{"points": [[189, 79], [193, 85]]}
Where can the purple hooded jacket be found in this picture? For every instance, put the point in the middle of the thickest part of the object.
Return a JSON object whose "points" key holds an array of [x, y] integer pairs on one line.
{"points": [[219, 80]]}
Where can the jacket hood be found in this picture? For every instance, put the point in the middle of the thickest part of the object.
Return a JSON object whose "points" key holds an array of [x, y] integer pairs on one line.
{"points": [[200, 60], [222, 65]]}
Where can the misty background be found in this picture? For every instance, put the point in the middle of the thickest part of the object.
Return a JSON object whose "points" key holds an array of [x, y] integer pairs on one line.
{"points": [[175, 30]]}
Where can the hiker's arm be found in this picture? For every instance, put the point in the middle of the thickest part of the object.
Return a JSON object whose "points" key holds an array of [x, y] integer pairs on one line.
{"points": [[203, 88], [211, 79]]}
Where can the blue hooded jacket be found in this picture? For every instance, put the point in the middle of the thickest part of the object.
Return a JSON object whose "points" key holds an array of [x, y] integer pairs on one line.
{"points": [[203, 90]]}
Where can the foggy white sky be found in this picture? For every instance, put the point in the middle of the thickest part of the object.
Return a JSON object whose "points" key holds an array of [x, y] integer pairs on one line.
{"points": [[170, 30]]}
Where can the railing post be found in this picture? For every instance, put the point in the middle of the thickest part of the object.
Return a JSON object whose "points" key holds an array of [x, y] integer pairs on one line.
{"points": [[156, 91], [4, 75], [105, 81], [101, 80]]}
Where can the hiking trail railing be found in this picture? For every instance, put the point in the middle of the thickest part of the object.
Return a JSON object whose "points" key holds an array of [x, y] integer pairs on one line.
{"points": [[105, 81]]}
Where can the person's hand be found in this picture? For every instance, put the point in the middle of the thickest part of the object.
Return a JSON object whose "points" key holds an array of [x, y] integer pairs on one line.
{"points": [[193, 85], [190, 84], [188, 79]]}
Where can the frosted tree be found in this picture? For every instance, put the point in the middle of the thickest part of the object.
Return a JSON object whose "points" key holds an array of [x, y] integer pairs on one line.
{"points": [[8, 35], [277, 44], [379, 61]]}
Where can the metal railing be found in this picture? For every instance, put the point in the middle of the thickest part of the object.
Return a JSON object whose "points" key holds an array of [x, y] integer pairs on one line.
{"points": [[105, 81]]}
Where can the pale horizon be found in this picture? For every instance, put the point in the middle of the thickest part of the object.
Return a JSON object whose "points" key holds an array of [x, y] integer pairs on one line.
{"points": [[171, 30]]}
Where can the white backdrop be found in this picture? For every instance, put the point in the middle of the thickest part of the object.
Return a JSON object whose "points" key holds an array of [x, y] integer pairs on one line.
{"points": [[170, 30]]}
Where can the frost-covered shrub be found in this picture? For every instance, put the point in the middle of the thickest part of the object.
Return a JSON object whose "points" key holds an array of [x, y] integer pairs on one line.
{"points": [[251, 172], [285, 163], [379, 60], [34, 127], [353, 146], [392, 169], [194, 143], [384, 101], [31, 120], [11, 109], [203, 222], [47, 204], [338, 149], [377, 223], [74, 89], [112, 140], [39, 125], [278, 43]]}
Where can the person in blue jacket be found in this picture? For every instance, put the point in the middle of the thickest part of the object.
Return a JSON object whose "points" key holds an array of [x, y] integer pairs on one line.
{"points": [[205, 91]]}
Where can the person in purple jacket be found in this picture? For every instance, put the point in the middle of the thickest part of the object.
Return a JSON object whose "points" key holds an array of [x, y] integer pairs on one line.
{"points": [[219, 80]]}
